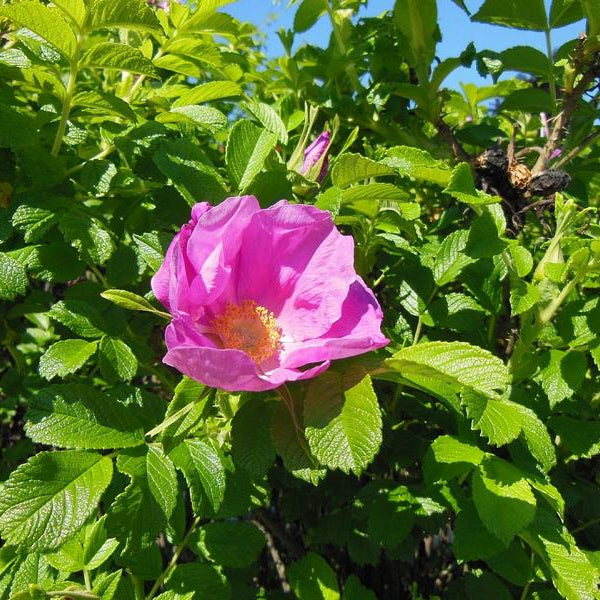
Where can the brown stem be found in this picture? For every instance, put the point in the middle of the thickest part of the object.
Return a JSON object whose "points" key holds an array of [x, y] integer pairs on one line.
{"points": [[275, 557], [562, 121], [578, 149], [446, 132]]}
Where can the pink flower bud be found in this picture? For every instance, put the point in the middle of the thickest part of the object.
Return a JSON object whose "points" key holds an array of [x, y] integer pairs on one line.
{"points": [[314, 153]]}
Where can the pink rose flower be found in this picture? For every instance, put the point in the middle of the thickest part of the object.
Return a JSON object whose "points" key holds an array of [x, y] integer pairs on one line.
{"points": [[258, 294], [313, 154]]}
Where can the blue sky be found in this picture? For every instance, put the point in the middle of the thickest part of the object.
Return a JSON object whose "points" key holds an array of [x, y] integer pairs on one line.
{"points": [[457, 30]]}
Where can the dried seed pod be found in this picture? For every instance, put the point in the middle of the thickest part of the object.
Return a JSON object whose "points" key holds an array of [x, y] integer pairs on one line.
{"points": [[519, 175], [493, 161], [549, 182]]}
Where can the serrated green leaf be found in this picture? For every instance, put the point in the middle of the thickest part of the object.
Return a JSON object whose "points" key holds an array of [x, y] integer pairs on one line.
{"points": [[65, 357], [522, 260], [350, 168], [564, 12], [248, 146], [418, 164], [251, 444], [188, 393], [47, 22], [562, 375], [118, 57], [33, 569], [526, 60], [125, 14], [462, 187], [204, 472], [213, 90], [116, 360], [472, 540], [34, 221], [449, 457], [190, 170], [104, 104], [536, 438], [503, 498], [290, 443], [80, 416], [312, 578], [13, 278], [204, 581], [451, 258], [94, 243], [47, 499], [498, 420], [374, 191], [523, 296], [308, 14], [513, 13], [580, 437], [131, 301], [355, 590], [207, 117], [234, 544], [268, 118], [79, 316], [342, 426], [455, 363]]}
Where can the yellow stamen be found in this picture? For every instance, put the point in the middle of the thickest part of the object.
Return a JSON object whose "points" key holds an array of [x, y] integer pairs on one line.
{"points": [[248, 327]]}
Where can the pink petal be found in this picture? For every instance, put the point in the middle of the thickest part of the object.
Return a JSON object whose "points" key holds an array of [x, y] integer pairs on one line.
{"points": [[297, 264]]}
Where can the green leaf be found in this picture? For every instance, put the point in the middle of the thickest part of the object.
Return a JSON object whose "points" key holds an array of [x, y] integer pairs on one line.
{"points": [[525, 59], [350, 168], [522, 260], [13, 278], [536, 438], [498, 420], [523, 296], [104, 104], [80, 416], [355, 590], [207, 117], [563, 375], [472, 540], [416, 20], [150, 249], [187, 391], [33, 569], [46, 500], [48, 23], [203, 581], [268, 118], [125, 14], [248, 147], [149, 467], [418, 164], [462, 187], [190, 170], [565, 12], [513, 13], [116, 360], [448, 457], [213, 90], [342, 426], [291, 444], [79, 316], [503, 498], [581, 438], [131, 301], [513, 564], [483, 584], [451, 258], [386, 192], [65, 357], [308, 14], [204, 472], [34, 221], [118, 57], [235, 544], [455, 363], [94, 243], [311, 578], [97, 176], [528, 100], [251, 444]]}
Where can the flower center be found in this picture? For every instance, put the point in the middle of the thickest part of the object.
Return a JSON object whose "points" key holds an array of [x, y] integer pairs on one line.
{"points": [[250, 328]]}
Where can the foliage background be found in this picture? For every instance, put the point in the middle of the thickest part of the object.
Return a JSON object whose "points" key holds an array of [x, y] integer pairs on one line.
{"points": [[461, 461]]}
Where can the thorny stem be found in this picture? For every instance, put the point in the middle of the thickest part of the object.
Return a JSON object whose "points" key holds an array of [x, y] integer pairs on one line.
{"points": [[173, 562]]}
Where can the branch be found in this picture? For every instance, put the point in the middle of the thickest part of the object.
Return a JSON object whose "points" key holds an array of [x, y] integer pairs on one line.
{"points": [[578, 149], [446, 132], [275, 557]]}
